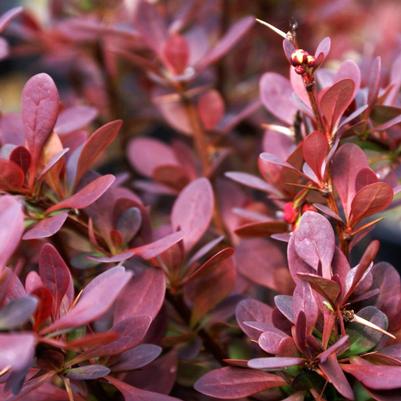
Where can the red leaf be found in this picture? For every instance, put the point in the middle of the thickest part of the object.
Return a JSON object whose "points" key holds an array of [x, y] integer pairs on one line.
{"points": [[211, 108], [276, 93], [347, 163], [143, 295], [55, 275], [85, 196], [176, 53], [336, 377], [329, 289], [45, 306], [209, 263], [11, 227], [11, 176], [93, 340], [40, 105], [262, 262], [148, 251], [376, 377], [210, 287], [131, 393], [231, 383], [95, 145], [88, 307], [335, 100], [315, 242], [146, 154], [193, 211], [261, 229], [46, 227], [315, 149], [21, 157], [227, 42], [371, 199]]}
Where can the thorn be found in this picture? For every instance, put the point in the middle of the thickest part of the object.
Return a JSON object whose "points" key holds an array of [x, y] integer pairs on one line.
{"points": [[273, 28], [361, 320]]}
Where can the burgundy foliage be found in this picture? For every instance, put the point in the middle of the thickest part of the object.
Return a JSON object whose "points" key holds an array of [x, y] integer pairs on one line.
{"points": [[176, 223]]}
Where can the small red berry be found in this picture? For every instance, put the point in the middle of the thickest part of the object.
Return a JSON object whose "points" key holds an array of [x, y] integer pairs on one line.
{"points": [[290, 213], [300, 70]]}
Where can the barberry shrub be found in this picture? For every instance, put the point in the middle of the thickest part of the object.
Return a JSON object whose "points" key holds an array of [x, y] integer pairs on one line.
{"points": [[186, 274]]}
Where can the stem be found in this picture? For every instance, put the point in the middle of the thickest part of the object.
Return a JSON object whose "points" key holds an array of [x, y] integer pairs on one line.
{"points": [[201, 146], [208, 342], [315, 108], [197, 130]]}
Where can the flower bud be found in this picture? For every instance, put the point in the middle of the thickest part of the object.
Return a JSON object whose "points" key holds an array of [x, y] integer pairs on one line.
{"points": [[310, 61], [299, 57]]}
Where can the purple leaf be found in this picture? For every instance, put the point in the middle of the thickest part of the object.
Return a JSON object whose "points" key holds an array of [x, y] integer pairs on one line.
{"points": [[85, 196], [130, 332], [137, 357], [304, 300], [253, 181], [193, 211], [20, 350], [275, 94], [275, 363], [88, 307], [74, 118], [89, 372], [146, 154], [17, 312], [315, 242], [11, 227], [376, 377], [46, 227], [227, 42], [232, 383], [40, 105], [255, 311]]}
